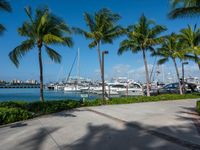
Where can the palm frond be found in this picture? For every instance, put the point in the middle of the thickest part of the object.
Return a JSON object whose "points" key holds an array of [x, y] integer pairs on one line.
{"points": [[184, 12], [26, 30], [68, 41], [162, 61], [20, 51], [127, 45], [53, 54], [184, 8], [53, 39], [93, 44], [194, 58], [28, 11], [5, 5], [2, 29], [89, 21]]}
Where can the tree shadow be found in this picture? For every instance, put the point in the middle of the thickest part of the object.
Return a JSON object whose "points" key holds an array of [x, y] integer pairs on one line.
{"points": [[133, 137], [17, 125], [191, 115], [35, 141], [68, 113]]}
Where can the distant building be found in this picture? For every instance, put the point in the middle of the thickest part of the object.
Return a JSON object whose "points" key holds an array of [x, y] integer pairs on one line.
{"points": [[2, 82], [16, 82], [31, 82]]}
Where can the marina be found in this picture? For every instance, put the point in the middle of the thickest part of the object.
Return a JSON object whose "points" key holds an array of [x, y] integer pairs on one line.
{"points": [[17, 94]]}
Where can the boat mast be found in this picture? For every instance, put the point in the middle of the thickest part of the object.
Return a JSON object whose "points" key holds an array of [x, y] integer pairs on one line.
{"points": [[78, 65]]}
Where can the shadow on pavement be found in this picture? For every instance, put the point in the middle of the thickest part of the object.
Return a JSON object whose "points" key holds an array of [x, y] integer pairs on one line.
{"points": [[133, 137], [36, 141], [17, 125]]}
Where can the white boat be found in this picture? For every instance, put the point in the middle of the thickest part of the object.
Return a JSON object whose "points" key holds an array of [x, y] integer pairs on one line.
{"points": [[58, 87], [72, 89], [119, 89], [133, 89]]}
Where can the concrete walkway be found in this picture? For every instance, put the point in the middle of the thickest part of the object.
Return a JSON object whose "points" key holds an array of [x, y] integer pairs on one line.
{"points": [[169, 125]]}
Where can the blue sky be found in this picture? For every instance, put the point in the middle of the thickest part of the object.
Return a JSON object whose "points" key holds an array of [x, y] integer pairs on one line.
{"points": [[72, 13]]}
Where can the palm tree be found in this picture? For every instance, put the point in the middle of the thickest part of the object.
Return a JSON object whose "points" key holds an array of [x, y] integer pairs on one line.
{"points": [[102, 29], [5, 6], [191, 40], [171, 49], [184, 8], [41, 30], [140, 38]]}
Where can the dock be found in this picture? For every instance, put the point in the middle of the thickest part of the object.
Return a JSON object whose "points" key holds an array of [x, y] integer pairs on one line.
{"points": [[20, 86]]}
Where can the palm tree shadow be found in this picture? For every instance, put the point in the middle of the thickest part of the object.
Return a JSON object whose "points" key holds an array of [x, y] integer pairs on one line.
{"points": [[132, 137], [36, 141], [68, 113], [19, 124]]}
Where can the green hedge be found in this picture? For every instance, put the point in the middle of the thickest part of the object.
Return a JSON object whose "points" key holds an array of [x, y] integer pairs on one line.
{"points": [[198, 106], [139, 99], [42, 107], [9, 115], [51, 106], [15, 110]]}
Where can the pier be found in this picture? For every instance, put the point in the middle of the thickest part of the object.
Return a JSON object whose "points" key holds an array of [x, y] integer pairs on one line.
{"points": [[20, 86]]}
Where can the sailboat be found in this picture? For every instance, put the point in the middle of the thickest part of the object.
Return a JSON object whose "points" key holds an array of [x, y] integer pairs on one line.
{"points": [[73, 86]]}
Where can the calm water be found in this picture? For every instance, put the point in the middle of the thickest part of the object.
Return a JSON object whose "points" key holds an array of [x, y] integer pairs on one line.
{"points": [[33, 95]]}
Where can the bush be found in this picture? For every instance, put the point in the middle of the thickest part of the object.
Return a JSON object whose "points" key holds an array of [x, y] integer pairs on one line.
{"points": [[42, 107], [16, 111], [51, 106], [14, 104], [139, 99], [198, 106], [9, 115]]}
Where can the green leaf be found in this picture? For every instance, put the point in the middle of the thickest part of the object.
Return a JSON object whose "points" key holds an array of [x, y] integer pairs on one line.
{"points": [[20, 51], [53, 54]]}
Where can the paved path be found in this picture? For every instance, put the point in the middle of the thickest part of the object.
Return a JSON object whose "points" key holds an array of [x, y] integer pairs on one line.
{"points": [[166, 125]]}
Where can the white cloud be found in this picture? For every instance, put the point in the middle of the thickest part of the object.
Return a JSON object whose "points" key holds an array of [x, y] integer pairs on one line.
{"points": [[166, 72], [121, 69]]}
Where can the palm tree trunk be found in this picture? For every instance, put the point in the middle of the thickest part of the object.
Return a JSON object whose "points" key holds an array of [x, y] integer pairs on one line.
{"points": [[197, 60], [99, 57], [199, 65], [146, 72], [41, 73], [178, 76]]}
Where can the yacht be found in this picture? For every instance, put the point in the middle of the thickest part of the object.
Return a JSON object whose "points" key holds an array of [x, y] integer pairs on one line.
{"points": [[72, 89], [131, 89]]}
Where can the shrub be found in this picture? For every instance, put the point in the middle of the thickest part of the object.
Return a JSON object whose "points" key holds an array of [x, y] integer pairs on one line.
{"points": [[138, 99], [14, 104], [198, 106], [15, 111], [51, 106], [9, 115]]}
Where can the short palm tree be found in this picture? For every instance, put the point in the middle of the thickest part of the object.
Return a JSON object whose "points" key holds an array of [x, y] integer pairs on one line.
{"points": [[5, 6], [102, 28], [184, 8], [142, 37], [171, 49], [190, 37], [41, 30]]}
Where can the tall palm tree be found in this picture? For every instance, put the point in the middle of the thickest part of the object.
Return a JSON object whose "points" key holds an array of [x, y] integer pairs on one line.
{"points": [[141, 37], [171, 49], [191, 40], [5, 6], [41, 30], [184, 8], [102, 28]]}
